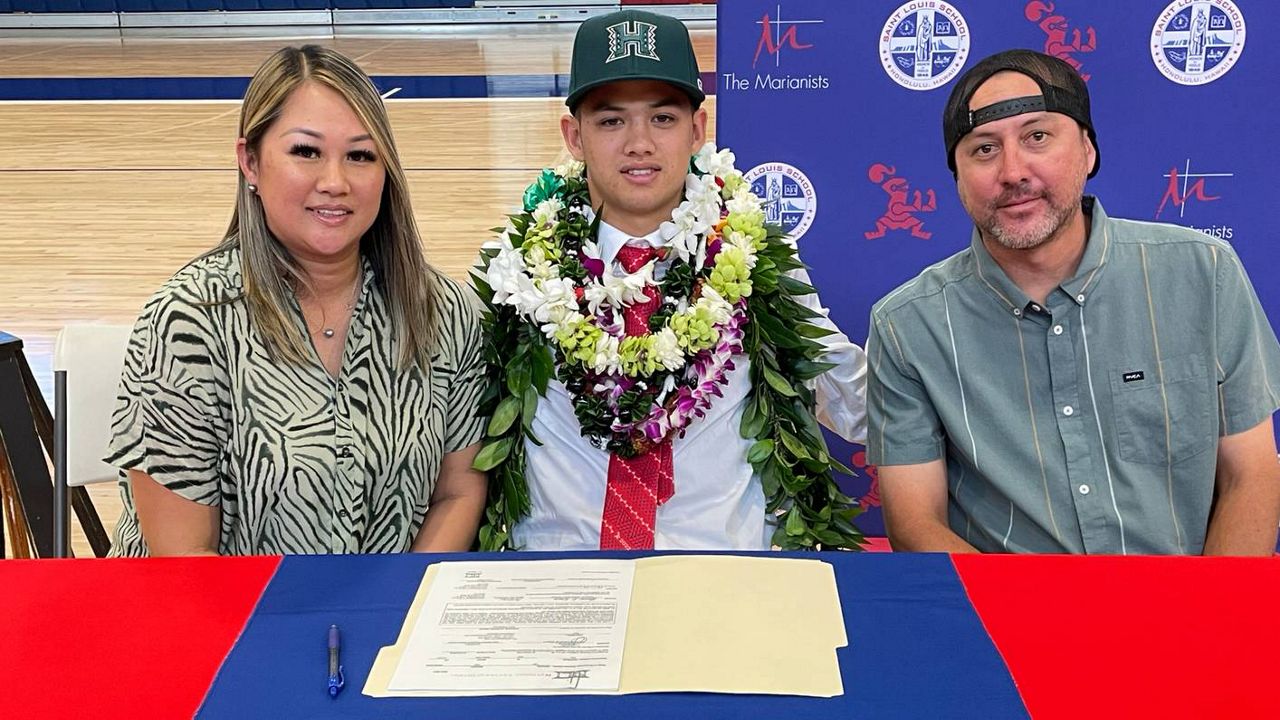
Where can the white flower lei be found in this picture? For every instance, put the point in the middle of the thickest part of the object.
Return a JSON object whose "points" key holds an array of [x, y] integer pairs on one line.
{"points": [[686, 359]]}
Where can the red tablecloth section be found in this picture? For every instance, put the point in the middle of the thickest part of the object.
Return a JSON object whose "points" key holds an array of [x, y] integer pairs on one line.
{"points": [[1112, 637], [120, 638]]}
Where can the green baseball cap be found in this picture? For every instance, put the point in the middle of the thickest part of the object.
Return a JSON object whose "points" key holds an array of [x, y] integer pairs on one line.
{"points": [[632, 45]]}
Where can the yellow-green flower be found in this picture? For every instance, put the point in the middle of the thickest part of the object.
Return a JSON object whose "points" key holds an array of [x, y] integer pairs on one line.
{"points": [[541, 238], [637, 356], [731, 277], [577, 339], [732, 182], [694, 329], [749, 224]]}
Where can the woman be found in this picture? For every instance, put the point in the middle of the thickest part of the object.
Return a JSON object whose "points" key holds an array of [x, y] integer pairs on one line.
{"points": [[310, 385]]}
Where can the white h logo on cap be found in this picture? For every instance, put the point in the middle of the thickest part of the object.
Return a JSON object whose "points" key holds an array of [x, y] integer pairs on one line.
{"points": [[633, 38]]}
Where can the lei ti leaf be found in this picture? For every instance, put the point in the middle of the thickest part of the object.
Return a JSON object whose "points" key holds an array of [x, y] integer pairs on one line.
{"points": [[789, 453]]}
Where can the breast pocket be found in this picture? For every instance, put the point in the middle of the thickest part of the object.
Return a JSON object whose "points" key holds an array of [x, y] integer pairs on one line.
{"points": [[1158, 421]]}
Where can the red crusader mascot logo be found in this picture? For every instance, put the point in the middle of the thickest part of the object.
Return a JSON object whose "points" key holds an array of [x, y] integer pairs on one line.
{"points": [[1056, 29], [900, 214]]}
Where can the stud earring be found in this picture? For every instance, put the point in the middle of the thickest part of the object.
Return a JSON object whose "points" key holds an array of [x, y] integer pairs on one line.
{"points": [[253, 188]]}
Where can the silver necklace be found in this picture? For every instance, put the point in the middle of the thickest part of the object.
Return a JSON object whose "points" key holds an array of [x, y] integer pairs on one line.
{"points": [[329, 332]]}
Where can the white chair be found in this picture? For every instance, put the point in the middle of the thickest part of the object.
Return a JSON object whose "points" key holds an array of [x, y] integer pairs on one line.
{"points": [[93, 356]]}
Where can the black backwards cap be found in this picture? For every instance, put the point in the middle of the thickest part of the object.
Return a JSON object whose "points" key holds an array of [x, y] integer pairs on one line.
{"points": [[1062, 90]]}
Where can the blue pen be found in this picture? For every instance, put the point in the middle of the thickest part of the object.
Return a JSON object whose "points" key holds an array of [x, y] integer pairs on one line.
{"points": [[336, 679]]}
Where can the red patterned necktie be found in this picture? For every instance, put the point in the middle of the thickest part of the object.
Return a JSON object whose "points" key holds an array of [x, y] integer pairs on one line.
{"points": [[636, 486]]}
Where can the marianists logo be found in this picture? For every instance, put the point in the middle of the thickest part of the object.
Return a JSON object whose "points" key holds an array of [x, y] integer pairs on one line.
{"points": [[1197, 41], [632, 38], [773, 38], [924, 44], [789, 197], [1184, 186], [781, 33]]}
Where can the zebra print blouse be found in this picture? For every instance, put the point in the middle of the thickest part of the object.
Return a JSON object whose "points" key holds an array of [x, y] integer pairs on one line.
{"points": [[297, 461]]}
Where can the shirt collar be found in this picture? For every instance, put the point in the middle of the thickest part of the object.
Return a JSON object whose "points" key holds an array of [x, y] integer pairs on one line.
{"points": [[1096, 252], [1095, 255], [610, 240]]}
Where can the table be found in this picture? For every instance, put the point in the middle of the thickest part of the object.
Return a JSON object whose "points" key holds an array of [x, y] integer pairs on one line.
{"points": [[929, 636]]}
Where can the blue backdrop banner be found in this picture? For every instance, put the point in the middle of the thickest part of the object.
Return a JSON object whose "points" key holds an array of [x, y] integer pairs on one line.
{"points": [[834, 108]]}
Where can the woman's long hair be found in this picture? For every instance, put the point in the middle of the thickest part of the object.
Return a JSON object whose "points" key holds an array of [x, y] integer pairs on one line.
{"points": [[392, 244]]}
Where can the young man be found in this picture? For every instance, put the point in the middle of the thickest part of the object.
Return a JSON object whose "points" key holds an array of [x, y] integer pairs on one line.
{"points": [[656, 287], [1071, 383]]}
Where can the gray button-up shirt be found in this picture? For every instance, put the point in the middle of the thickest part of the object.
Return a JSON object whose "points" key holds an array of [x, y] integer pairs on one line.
{"points": [[1088, 424]]}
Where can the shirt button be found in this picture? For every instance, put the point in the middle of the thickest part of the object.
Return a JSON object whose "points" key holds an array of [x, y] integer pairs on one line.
{"points": [[342, 513], [1084, 489], [1068, 411], [1080, 297], [345, 451], [1057, 329], [1017, 312], [1035, 307]]}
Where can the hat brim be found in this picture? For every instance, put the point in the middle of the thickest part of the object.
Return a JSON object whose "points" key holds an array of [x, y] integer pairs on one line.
{"points": [[695, 93]]}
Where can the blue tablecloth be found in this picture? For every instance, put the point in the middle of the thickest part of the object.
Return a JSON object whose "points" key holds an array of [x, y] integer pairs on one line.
{"points": [[916, 650]]}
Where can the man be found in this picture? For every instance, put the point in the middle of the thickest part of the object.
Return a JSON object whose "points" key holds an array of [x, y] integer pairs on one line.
{"points": [[635, 121], [1070, 383]]}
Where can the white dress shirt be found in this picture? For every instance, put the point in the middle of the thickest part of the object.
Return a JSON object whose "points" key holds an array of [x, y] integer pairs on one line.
{"points": [[719, 502]]}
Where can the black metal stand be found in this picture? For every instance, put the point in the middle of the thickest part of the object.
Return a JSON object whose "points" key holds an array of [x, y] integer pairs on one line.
{"points": [[61, 525], [26, 428]]}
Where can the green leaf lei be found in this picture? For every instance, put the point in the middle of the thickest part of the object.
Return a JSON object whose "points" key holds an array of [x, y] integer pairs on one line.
{"points": [[789, 453]]}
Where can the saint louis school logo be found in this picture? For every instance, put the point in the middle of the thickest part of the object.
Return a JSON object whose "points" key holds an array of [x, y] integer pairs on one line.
{"points": [[789, 197], [1061, 40], [923, 45], [632, 38], [1197, 41], [900, 209]]}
